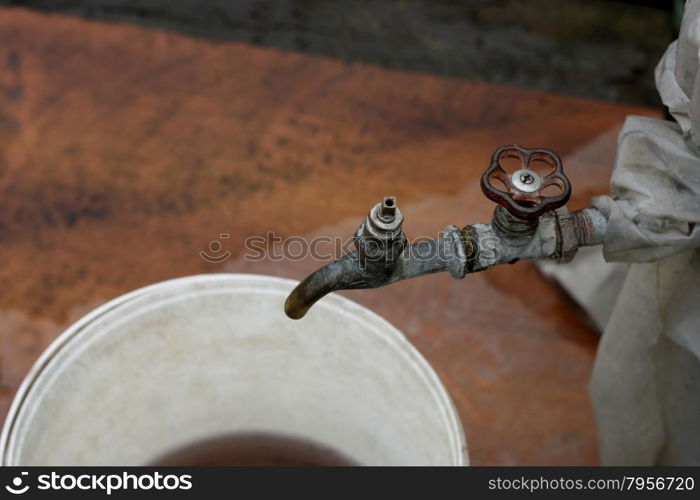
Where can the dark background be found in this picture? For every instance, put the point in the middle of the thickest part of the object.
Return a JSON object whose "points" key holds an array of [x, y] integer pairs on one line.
{"points": [[594, 48]]}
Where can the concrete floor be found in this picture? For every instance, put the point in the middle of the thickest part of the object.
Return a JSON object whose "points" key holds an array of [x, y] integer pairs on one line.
{"points": [[595, 48]]}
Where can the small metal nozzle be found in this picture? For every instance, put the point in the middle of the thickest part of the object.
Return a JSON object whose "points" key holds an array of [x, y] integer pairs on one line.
{"points": [[387, 212]]}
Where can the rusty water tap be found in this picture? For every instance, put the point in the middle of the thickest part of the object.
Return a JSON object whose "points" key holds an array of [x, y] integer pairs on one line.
{"points": [[530, 221]]}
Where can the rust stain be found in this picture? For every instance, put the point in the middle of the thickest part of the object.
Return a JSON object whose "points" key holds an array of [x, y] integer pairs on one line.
{"points": [[133, 148]]}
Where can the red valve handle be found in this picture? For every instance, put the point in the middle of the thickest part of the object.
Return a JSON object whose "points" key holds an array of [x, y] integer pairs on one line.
{"points": [[523, 195]]}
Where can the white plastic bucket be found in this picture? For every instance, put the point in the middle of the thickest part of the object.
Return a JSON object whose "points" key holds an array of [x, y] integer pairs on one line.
{"points": [[189, 359]]}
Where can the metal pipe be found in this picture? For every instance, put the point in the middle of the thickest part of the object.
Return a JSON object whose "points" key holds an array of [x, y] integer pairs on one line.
{"points": [[556, 234]]}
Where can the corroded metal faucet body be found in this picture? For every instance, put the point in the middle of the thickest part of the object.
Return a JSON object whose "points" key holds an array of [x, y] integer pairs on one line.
{"points": [[526, 224], [380, 239], [381, 257]]}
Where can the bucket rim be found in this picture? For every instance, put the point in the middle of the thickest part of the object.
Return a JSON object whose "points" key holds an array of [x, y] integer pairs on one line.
{"points": [[333, 301]]}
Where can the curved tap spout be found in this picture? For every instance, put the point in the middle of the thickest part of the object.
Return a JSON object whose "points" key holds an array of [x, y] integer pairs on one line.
{"points": [[342, 274]]}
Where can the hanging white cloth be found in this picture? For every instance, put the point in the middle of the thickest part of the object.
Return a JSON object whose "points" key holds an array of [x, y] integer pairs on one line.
{"points": [[646, 379]]}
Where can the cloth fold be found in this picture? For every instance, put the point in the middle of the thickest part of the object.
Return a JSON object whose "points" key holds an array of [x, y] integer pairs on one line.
{"points": [[645, 385]]}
